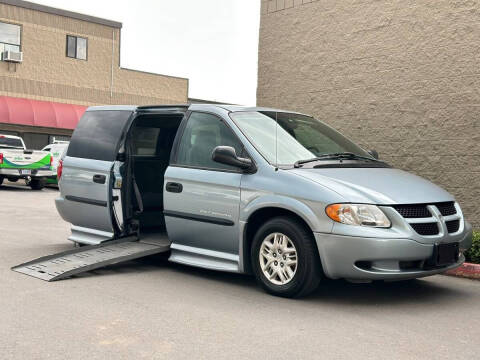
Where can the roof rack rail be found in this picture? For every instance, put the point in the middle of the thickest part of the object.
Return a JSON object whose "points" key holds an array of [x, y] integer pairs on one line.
{"points": [[173, 106]]}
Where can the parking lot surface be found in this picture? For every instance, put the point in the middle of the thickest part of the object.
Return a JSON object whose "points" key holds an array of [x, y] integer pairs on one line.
{"points": [[153, 309]]}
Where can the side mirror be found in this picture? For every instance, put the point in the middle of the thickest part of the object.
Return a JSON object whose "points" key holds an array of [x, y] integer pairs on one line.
{"points": [[374, 153], [227, 155]]}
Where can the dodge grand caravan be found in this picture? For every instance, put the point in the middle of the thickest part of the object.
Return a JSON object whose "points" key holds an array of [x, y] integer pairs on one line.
{"points": [[254, 190]]}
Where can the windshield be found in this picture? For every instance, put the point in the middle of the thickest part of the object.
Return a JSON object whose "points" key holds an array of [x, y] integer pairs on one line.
{"points": [[7, 142], [299, 137]]}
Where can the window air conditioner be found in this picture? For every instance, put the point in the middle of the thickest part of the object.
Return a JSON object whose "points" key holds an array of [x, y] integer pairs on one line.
{"points": [[12, 56]]}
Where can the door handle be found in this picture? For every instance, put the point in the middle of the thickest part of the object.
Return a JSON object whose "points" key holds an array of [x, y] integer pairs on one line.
{"points": [[174, 187], [99, 179]]}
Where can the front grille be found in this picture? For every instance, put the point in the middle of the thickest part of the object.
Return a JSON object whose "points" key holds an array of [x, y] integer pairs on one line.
{"points": [[446, 208], [421, 211], [413, 211], [426, 228], [453, 225]]}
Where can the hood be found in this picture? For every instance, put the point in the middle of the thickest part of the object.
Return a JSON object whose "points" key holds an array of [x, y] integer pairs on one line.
{"points": [[382, 186]]}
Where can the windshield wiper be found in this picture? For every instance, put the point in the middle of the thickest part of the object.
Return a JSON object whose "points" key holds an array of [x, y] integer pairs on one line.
{"points": [[343, 155]]}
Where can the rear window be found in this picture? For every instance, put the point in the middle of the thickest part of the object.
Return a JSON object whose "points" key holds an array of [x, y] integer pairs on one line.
{"points": [[10, 142], [98, 134]]}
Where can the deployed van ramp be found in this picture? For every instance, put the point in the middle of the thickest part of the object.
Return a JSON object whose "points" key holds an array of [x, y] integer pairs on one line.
{"points": [[83, 259]]}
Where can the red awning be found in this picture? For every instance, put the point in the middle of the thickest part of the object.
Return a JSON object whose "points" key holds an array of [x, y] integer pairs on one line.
{"points": [[21, 111]]}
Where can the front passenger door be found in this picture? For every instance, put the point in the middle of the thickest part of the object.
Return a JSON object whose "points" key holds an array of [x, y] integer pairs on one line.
{"points": [[202, 197]]}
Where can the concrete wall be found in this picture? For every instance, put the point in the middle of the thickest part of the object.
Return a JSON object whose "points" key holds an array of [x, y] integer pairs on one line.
{"points": [[47, 74], [401, 77]]}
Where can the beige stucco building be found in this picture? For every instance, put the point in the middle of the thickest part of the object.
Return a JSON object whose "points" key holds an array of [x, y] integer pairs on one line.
{"points": [[400, 77], [74, 59]]}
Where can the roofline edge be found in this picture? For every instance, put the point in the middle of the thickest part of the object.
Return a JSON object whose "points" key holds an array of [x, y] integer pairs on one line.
{"points": [[61, 12]]}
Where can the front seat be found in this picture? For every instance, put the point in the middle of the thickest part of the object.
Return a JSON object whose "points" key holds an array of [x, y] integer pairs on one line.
{"points": [[201, 150]]}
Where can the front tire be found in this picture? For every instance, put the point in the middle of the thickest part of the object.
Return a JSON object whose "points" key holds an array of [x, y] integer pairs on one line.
{"points": [[37, 184], [285, 259], [1, 180]]}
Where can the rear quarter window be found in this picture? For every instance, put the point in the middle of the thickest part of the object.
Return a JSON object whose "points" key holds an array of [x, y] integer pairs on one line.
{"points": [[98, 134]]}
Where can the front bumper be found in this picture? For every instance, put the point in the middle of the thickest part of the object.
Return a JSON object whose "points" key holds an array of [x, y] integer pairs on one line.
{"points": [[52, 179], [345, 257]]}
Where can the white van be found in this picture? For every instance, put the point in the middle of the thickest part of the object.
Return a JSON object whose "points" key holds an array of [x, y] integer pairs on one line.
{"points": [[56, 150]]}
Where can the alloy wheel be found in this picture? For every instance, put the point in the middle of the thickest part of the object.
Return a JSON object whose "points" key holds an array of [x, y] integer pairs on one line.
{"points": [[278, 258]]}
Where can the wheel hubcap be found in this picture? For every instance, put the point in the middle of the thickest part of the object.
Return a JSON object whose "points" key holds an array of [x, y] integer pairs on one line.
{"points": [[278, 258]]}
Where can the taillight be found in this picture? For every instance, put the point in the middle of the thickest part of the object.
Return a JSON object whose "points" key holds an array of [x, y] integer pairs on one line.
{"points": [[1, 158], [51, 161], [59, 170]]}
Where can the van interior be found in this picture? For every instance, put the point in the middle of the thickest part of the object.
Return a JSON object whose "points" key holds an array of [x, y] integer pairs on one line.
{"points": [[149, 145]]}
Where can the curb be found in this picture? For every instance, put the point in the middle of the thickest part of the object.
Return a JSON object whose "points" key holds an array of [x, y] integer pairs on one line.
{"points": [[466, 270]]}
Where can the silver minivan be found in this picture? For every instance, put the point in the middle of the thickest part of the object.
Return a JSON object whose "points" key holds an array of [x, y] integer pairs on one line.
{"points": [[254, 190]]}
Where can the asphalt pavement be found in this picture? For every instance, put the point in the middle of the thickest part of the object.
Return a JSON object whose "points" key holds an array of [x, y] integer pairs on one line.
{"points": [[153, 309]]}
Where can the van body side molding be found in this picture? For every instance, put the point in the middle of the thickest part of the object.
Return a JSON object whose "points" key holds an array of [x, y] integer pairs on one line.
{"points": [[201, 218], [86, 200]]}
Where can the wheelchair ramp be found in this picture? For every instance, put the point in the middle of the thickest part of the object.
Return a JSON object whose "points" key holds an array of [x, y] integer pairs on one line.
{"points": [[87, 258]]}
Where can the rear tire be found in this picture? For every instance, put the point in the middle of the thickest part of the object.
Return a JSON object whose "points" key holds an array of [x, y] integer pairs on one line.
{"points": [[285, 258], [1, 180], [37, 184]]}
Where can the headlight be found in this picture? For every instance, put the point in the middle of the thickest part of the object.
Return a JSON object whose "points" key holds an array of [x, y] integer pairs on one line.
{"points": [[358, 214]]}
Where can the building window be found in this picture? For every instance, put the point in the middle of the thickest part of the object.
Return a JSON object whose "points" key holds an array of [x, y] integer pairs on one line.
{"points": [[35, 141], [53, 138], [9, 37], [77, 47]]}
